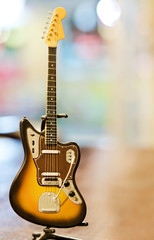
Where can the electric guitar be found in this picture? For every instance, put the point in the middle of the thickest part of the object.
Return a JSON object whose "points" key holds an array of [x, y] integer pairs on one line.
{"points": [[44, 191]]}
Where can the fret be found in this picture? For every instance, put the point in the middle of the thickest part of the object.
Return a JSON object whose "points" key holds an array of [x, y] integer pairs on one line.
{"points": [[52, 94], [52, 122], [51, 129], [51, 86]]}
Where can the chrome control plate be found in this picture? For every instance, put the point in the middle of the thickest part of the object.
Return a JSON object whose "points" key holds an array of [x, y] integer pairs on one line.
{"points": [[33, 140], [70, 155], [76, 198]]}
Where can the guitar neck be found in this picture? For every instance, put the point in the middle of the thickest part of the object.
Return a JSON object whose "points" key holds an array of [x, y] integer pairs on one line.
{"points": [[51, 107]]}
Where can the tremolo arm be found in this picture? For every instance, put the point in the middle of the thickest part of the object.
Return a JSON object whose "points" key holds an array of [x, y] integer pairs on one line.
{"points": [[70, 168]]}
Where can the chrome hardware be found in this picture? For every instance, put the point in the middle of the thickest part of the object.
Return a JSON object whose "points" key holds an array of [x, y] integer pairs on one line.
{"points": [[33, 140], [48, 204], [69, 155], [71, 192], [49, 181], [62, 115], [51, 151], [50, 174]]}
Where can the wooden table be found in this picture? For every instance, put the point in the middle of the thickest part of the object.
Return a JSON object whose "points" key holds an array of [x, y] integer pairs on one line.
{"points": [[118, 187]]}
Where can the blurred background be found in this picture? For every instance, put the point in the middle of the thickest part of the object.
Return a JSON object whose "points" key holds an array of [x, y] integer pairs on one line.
{"points": [[105, 77], [105, 69]]}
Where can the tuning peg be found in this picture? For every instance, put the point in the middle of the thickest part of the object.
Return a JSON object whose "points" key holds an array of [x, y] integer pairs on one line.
{"points": [[49, 33], [48, 17], [42, 37], [55, 32], [48, 38], [51, 28], [54, 19], [47, 22], [50, 12], [56, 14]]}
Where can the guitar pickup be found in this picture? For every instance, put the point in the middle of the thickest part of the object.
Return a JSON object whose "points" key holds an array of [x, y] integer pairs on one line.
{"points": [[52, 181], [50, 151], [50, 174]]}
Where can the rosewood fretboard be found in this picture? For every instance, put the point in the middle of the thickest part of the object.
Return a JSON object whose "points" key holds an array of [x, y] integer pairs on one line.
{"points": [[51, 108]]}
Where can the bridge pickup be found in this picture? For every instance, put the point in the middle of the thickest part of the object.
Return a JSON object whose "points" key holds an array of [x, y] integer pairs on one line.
{"points": [[50, 151], [52, 181]]}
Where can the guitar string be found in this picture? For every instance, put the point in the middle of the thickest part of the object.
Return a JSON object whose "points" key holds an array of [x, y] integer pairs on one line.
{"points": [[57, 157], [56, 116]]}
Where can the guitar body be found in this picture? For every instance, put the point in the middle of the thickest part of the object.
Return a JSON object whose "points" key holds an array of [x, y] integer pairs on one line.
{"points": [[33, 194]]}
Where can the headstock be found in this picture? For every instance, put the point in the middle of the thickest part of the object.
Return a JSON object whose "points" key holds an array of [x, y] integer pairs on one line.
{"points": [[55, 29]]}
